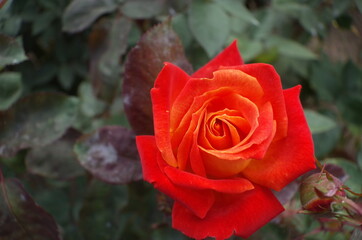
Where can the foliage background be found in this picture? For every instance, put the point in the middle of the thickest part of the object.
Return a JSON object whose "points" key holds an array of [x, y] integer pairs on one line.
{"points": [[66, 144]]}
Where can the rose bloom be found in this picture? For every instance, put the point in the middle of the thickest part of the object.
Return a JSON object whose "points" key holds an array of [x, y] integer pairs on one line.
{"points": [[224, 138]]}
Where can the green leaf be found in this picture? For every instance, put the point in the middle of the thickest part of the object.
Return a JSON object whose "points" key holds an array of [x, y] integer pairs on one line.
{"points": [[35, 120], [267, 24], [80, 14], [10, 23], [249, 48], [209, 24], [291, 48], [56, 160], [349, 97], [100, 216], [42, 22], [289, 7], [319, 123], [350, 107], [10, 88], [302, 12], [237, 9], [160, 44], [179, 24], [325, 79], [340, 7], [310, 21], [141, 9], [105, 66], [66, 76], [325, 142], [110, 154], [167, 233], [359, 5], [21, 217], [89, 104], [11, 51]]}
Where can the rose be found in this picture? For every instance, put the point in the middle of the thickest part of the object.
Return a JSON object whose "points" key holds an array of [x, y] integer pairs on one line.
{"points": [[224, 137]]}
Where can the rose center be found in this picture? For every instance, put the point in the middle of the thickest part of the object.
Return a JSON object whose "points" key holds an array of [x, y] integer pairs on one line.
{"points": [[223, 129], [217, 128]]}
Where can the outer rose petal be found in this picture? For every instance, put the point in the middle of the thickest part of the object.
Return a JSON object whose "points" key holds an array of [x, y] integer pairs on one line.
{"points": [[287, 158], [168, 85], [240, 213], [233, 185], [198, 201], [229, 57]]}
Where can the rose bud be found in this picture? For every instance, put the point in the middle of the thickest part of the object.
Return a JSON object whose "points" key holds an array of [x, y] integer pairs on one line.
{"points": [[319, 190]]}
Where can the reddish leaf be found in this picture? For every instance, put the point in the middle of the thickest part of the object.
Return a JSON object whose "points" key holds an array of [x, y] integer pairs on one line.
{"points": [[287, 193], [21, 218], [144, 62], [2, 3], [110, 154], [336, 171]]}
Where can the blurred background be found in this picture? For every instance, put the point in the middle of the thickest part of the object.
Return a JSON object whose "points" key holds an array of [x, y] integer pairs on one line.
{"points": [[73, 94]]}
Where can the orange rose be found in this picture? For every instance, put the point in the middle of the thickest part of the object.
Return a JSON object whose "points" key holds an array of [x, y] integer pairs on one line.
{"points": [[223, 138]]}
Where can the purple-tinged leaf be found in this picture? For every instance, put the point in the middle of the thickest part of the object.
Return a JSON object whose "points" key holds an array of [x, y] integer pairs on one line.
{"points": [[336, 171], [108, 42], [287, 193], [36, 120], [160, 44], [20, 217], [333, 169], [56, 160], [110, 154], [2, 3]]}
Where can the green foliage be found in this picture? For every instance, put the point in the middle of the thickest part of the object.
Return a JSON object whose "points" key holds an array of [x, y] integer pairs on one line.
{"points": [[23, 125], [209, 24], [71, 68], [10, 88], [318, 123], [80, 14], [11, 51]]}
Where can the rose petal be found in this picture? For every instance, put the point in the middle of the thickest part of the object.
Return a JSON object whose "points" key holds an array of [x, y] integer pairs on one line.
{"points": [[264, 130], [189, 180], [273, 92], [183, 141], [198, 92], [168, 85], [244, 118], [198, 201], [290, 157], [196, 161], [229, 57], [241, 214], [235, 80]]}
